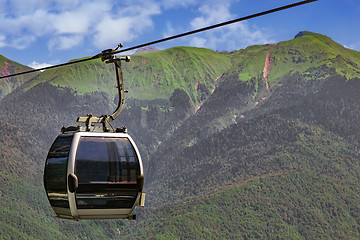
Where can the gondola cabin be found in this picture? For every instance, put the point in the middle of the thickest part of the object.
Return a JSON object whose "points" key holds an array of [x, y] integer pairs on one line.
{"points": [[94, 175]]}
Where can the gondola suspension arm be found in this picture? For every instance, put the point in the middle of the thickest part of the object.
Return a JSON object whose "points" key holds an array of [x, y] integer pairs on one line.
{"points": [[108, 56]]}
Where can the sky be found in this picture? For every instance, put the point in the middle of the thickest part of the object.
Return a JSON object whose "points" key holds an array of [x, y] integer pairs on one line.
{"points": [[38, 33]]}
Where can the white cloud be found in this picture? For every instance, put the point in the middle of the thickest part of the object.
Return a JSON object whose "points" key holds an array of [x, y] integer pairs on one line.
{"points": [[198, 42], [231, 37], [170, 30], [80, 20], [66, 5], [68, 23], [37, 65], [238, 36], [63, 42], [211, 14], [65, 23], [2, 41], [15, 8], [169, 4], [125, 26], [22, 42], [354, 46], [110, 31], [22, 31]]}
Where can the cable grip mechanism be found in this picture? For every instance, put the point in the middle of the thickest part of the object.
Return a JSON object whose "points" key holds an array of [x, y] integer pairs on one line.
{"points": [[108, 56]]}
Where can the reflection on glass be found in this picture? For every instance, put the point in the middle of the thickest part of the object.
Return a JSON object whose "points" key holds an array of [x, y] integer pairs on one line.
{"points": [[107, 169], [56, 171]]}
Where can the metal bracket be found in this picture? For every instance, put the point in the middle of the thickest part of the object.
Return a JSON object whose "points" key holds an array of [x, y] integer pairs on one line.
{"points": [[107, 56], [89, 121]]}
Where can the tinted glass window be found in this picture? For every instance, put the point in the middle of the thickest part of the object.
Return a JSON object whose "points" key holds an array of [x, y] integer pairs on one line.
{"points": [[106, 201], [55, 175], [107, 169], [105, 160]]}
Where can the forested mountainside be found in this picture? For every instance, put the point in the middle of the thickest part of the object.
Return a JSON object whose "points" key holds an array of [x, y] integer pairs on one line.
{"points": [[256, 143]]}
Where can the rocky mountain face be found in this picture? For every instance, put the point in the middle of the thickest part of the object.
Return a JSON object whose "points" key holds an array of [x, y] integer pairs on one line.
{"points": [[257, 143], [148, 49]]}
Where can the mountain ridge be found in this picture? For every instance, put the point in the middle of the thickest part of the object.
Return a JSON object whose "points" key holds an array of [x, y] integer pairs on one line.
{"points": [[148, 49], [8, 67], [221, 149]]}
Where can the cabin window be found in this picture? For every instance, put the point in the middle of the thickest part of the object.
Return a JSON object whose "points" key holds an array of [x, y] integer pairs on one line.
{"points": [[55, 175], [105, 160], [107, 169]]}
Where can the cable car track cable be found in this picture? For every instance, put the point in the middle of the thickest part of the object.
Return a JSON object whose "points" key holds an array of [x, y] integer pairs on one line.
{"points": [[169, 38]]}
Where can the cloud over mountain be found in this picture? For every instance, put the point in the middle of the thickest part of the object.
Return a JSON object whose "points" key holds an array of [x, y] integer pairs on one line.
{"points": [[68, 24], [63, 25]]}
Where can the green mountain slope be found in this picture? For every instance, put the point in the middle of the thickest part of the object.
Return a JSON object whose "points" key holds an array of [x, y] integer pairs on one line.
{"points": [[292, 180], [257, 143], [291, 205], [147, 77], [299, 55], [8, 67], [243, 90], [157, 75]]}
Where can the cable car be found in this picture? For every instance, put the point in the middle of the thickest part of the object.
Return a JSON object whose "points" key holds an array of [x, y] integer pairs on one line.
{"points": [[95, 172], [90, 175]]}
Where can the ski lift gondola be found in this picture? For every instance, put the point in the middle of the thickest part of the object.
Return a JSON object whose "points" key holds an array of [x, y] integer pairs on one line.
{"points": [[95, 172]]}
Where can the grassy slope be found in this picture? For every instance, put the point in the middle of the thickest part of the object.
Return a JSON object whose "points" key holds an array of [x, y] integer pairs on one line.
{"points": [[157, 75], [85, 77], [291, 205], [232, 98], [297, 55], [315, 195], [26, 216], [259, 207], [147, 77], [7, 67]]}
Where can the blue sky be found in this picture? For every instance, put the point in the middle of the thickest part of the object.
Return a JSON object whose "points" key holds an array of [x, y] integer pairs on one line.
{"points": [[38, 32]]}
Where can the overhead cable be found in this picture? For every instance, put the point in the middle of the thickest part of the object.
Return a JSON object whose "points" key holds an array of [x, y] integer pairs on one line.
{"points": [[170, 38]]}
